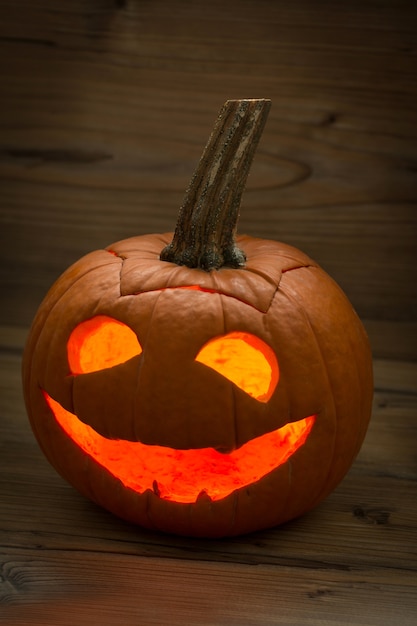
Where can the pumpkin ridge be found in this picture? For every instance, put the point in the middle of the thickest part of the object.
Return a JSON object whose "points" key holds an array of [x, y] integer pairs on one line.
{"points": [[360, 390], [148, 505], [292, 298], [232, 388], [235, 506], [287, 467], [360, 432], [143, 344], [120, 274]]}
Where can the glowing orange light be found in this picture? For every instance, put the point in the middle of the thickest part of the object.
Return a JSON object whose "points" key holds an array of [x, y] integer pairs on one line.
{"points": [[99, 343], [182, 475], [245, 360]]}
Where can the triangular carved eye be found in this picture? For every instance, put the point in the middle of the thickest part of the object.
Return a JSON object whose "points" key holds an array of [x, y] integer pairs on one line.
{"points": [[99, 343], [245, 360]]}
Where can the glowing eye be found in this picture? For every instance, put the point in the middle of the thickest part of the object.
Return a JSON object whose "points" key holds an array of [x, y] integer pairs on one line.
{"points": [[99, 343], [245, 360]]}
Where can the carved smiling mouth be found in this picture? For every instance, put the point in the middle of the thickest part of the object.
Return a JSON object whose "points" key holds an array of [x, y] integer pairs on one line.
{"points": [[185, 475]]}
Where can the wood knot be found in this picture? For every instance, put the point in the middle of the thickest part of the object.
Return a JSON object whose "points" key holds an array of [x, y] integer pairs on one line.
{"points": [[372, 516], [320, 592], [329, 119]]}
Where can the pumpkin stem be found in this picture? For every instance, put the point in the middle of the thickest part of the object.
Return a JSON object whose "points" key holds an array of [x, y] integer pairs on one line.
{"points": [[205, 232]]}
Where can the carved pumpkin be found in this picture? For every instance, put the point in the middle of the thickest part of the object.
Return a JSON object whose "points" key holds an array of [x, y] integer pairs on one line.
{"points": [[210, 400]]}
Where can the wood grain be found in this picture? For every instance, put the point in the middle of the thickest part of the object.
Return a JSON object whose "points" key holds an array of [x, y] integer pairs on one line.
{"points": [[106, 107], [118, 589]]}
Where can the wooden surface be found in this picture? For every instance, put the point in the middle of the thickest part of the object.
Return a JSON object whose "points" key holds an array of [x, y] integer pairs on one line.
{"points": [[104, 111]]}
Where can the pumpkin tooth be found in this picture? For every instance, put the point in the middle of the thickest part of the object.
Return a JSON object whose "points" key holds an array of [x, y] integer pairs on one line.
{"points": [[155, 488], [203, 496]]}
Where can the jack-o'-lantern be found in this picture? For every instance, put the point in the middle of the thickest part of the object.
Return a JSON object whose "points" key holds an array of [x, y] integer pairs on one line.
{"points": [[198, 383]]}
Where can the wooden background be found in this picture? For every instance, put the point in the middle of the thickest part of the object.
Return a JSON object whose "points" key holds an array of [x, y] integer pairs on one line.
{"points": [[105, 107]]}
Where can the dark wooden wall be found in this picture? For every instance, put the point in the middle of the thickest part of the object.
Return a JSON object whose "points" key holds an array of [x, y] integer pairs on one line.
{"points": [[106, 106]]}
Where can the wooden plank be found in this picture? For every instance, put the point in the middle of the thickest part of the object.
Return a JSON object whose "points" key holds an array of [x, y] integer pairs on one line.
{"points": [[401, 377], [73, 587], [392, 340]]}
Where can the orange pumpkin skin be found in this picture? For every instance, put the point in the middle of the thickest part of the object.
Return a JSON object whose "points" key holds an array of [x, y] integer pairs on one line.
{"points": [[163, 397]]}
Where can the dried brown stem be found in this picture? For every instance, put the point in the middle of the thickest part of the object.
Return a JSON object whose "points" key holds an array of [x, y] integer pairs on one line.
{"points": [[205, 232]]}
